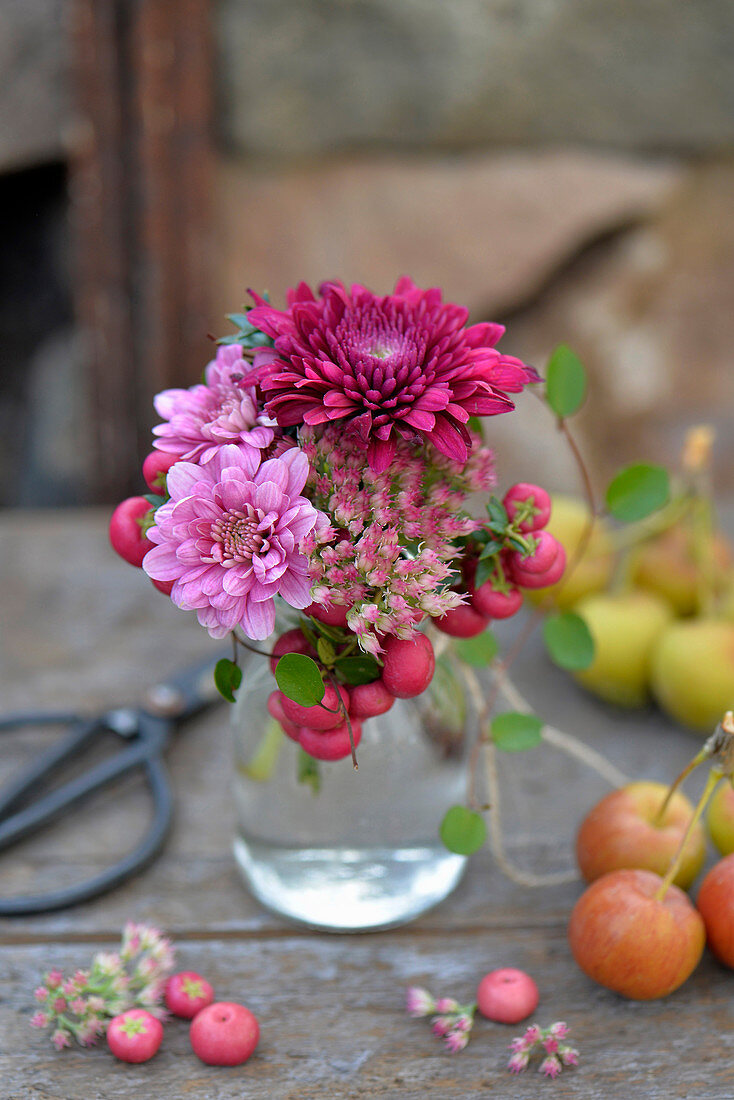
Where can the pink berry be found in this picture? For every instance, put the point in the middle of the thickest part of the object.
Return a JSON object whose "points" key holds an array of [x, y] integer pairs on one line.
{"points": [[293, 641], [224, 1034], [541, 501], [462, 622], [162, 586], [542, 580], [367, 700], [187, 993], [330, 744], [541, 558], [331, 616], [155, 467], [275, 710], [134, 1036], [325, 715], [408, 665], [126, 532], [507, 996], [497, 605]]}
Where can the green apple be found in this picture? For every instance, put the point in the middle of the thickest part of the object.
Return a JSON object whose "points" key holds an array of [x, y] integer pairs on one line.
{"points": [[568, 521], [693, 671], [668, 566], [624, 627], [720, 818], [623, 831]]}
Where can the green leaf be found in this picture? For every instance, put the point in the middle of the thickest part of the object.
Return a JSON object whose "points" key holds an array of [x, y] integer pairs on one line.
{"points": [[497, 512], [477, 651], [154, 499], [565, 382], [326, 651], [308, 771], [261, 765], [637, 491], [446, 700], [516, 732], [239, 320], [227, 678], [463, 830], [356, 669], [299, 678], [485, 569], [491, 547], [474, 424], [568, 640]]}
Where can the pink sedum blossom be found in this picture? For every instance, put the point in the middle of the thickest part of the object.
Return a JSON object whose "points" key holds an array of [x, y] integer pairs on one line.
{"points": [[229, 539], [404, 365], [200, 420]]}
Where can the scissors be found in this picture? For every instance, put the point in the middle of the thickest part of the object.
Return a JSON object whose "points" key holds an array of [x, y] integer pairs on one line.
{"points": [[145, 731]]}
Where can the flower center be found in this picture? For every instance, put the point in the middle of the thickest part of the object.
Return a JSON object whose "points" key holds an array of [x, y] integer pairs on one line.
{"points": [[237, 535]]}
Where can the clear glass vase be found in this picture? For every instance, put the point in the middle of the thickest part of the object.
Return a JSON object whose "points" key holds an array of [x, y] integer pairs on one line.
{"points": [[362, 851]]}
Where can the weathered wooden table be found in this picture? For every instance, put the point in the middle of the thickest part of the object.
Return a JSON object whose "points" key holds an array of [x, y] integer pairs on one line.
{"points": [[81, 629]]}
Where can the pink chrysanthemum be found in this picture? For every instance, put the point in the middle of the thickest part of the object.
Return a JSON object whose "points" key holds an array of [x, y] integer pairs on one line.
{"points": [[401, 365], [228, 538], [203, 418]]}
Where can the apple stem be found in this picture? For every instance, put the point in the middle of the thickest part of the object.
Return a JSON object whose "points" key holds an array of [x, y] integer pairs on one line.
{"points": [[714, 776], [699, 758]]}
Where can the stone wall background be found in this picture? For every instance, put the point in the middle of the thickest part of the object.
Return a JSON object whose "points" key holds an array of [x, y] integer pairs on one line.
{"points": [[564, 166]]}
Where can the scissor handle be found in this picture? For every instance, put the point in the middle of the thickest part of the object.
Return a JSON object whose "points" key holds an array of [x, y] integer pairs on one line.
{"points": [[82, 731], [119, 872]]}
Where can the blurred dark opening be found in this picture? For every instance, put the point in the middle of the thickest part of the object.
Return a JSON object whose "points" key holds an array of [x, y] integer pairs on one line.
{"points": [[35, 322]]}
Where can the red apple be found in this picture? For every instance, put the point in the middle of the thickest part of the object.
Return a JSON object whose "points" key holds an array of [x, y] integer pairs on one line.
{"points": [[629, 941], [716, 906], [224, 1034], [621, 831], [507, 996]]}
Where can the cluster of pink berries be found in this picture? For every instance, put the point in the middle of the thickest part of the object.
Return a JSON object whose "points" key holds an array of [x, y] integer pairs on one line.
{"points": [[522, 555], [323, 730], [221, 1033]]}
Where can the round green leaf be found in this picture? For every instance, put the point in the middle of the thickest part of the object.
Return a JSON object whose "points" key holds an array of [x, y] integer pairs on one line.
{"points": [[516, 732], [565, 381], [568, 640], [227, 678], [463, 831], [358, 669], [299, 678], [637, 491], [478, 651]]}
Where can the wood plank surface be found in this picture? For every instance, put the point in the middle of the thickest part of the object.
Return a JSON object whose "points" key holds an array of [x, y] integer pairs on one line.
{"points": [[83, 630]]}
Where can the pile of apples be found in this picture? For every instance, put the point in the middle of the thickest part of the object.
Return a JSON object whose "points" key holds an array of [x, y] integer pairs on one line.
{"points": [[632, 932], [657, 638]]}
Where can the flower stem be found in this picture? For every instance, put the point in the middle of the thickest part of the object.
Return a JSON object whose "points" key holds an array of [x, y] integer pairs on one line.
{"points": [[714, 776]]}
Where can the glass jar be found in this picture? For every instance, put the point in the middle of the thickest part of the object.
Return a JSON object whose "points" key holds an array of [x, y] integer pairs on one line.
{"points": [[348, 850]]}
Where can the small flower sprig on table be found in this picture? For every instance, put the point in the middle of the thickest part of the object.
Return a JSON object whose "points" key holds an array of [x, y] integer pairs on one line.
{"points": [[547, 1041], [80, 1007], [451, 1021]]}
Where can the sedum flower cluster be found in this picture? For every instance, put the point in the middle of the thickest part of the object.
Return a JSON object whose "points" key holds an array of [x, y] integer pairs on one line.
{"points": [[80, 1007]]}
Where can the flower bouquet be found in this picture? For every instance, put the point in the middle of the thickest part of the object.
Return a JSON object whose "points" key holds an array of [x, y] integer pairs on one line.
{"points": [[328, 485]]}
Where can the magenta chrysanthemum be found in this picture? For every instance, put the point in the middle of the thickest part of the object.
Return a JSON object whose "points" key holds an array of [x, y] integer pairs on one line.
{"points": [[229, 535], [205, 417], [401, 365]]}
